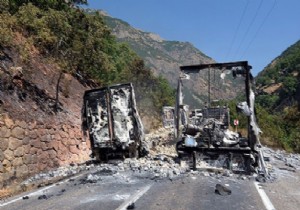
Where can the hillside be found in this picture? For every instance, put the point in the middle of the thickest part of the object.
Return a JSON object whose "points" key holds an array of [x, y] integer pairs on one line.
{"points": [[164, 57], [278, 84], [278, 99]]}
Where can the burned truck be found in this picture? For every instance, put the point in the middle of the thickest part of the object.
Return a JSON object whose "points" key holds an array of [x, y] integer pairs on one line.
{"points": [[207, 131], [111, 121]]}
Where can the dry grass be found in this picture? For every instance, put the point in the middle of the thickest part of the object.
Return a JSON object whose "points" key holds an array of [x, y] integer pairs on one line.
{"points": [[4, 193], [272, 88]]}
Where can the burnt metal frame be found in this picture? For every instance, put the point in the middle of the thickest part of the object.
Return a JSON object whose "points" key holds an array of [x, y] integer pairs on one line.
{"points": [[221, 66]]}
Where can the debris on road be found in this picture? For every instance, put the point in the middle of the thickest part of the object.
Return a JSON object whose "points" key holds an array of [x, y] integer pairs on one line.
{"points": [[25, 197], [43, 197], [131, 206], [222, 190], [61, 192], [261, 178]]}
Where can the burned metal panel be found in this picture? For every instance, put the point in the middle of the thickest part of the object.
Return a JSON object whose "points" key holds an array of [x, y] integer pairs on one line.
{"points": [[138, 127], [96, 109], [122, 114], [229, 66]]}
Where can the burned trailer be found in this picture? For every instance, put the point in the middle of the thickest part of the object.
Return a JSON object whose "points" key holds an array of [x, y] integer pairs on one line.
{"points": [[207, 130], [111, 120]]}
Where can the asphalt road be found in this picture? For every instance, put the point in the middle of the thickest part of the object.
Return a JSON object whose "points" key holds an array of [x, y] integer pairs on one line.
{"points": [[118, 191]]}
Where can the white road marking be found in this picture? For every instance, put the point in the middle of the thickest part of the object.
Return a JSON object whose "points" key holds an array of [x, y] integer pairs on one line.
{"points": [[134, 197], [37, 192], [266, 201]]}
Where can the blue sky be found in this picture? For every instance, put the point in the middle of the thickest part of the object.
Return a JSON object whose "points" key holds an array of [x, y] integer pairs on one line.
{"points": [[226, 30]]}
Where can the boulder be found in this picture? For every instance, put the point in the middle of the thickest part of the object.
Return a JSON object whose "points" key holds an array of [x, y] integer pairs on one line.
{"points": [[4, 132], [14, 143], [3, 143], [18, 133], [8, 154], [19, 152]]}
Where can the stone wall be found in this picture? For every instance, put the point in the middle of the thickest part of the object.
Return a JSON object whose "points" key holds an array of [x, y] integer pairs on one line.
{"points": [[27, 148]]}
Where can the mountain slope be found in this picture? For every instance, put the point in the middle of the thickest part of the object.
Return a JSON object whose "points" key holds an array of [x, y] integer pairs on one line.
{"points": [[278, 100], [278, 84], [164, 57]]}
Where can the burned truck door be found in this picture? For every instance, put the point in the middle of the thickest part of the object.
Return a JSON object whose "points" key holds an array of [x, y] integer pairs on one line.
{"points": [[96, 118], [111, 119]]}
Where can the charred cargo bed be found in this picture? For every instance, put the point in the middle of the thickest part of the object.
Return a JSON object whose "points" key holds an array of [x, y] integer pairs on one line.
{"points": [[112, 122]]}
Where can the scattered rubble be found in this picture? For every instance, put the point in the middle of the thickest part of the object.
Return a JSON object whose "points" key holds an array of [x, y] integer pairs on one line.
{"points": [[280, 162], [49, 177], [162, 163]]}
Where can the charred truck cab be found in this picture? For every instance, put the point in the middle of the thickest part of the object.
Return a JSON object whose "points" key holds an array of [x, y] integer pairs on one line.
{"points": [[207, 131], [111, 120]]}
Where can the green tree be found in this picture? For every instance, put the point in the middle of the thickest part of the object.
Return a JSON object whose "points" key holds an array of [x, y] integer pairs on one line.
{"points": [[290, 85], [59, 5], [267, 101]]}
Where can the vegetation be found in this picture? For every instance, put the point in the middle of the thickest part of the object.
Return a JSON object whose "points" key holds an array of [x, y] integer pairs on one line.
{"points": [[278, 130], [279, 111], [81, 43], [284, 70]]}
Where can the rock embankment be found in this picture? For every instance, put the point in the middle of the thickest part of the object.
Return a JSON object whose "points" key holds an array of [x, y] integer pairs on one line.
{"points": [[27, 148]]}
